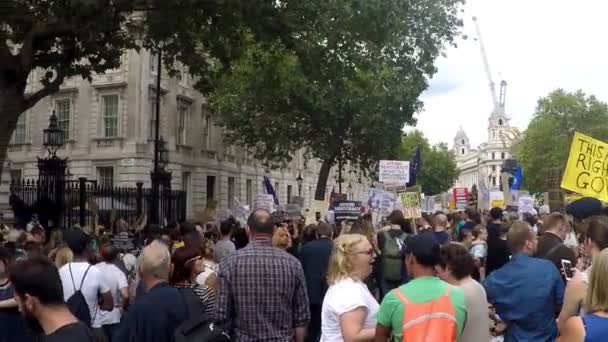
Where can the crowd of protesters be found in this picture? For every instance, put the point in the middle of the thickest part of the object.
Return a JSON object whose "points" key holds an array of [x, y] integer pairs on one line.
{"points": [[470, 276]]}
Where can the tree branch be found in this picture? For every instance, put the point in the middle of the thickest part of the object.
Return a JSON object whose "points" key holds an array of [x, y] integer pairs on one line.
{"points": [[48, 89], [42, 30]]}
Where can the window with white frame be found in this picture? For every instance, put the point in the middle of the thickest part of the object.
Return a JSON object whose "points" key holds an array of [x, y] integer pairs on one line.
{"points": [[152, 117], [63, 108], [20, 133], [105, 176], [249, 192], [182, 124], [231, 192], [153, 63], [109, 113], [207, 132]]}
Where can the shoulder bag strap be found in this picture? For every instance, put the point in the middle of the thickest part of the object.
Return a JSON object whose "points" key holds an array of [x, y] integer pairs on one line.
{"points": [[83, 277], [71, 276], [552, 250]]}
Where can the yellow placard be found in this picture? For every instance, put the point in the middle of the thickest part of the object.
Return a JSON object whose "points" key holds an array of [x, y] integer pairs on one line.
{"points": [[497, 203], [586, 172]]}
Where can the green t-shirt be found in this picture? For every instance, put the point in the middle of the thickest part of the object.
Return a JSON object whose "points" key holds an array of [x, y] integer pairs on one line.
{"points": [[419, 290]]}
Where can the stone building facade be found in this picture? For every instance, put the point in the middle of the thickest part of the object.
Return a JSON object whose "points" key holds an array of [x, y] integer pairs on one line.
{"points": [[487, 159], [110, 125]]}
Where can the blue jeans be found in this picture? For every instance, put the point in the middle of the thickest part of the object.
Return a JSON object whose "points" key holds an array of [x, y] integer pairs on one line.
{"points": [[109, 330]]}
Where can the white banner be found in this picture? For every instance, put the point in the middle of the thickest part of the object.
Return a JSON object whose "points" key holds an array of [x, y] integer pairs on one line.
{"points": [[394, 171]]}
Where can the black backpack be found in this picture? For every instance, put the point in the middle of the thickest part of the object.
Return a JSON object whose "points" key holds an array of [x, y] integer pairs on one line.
{"points": [[76, 303], [197, 327]]}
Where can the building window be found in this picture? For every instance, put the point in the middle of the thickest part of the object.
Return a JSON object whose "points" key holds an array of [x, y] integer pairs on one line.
{"points": [[289, 192], [210, 188], [502, 155], [276, 189], [462, 151], [152, 117], [463, 141], [153, 63], [105, 176], [110, 115], [499, 122], [231, 191], [207, 127], [182, 124], [20, 136], [494, 181], [16, 175], [493, 156], [249, 192], [493, 168], [62, 110]]}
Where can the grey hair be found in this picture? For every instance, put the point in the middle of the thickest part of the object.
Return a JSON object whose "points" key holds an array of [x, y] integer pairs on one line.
{"points": [[155, 261]]}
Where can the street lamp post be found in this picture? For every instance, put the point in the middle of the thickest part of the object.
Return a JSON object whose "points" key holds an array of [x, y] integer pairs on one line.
{"points": [[299, 180], [51, 169], [159, 175]]}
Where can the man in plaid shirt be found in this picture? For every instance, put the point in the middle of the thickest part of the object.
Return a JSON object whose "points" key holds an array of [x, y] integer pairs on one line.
{"points": [[262, 291]]}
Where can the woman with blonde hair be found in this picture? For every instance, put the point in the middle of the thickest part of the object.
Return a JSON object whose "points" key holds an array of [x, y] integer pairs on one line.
{"points": [[281, 238], [596, 240], [593, 326], [63, 256], [349, 309]]}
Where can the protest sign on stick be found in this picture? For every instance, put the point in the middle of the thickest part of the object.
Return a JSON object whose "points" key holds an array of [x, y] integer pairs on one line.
{"points": [[586, 172], [394, 171], [347, 211], [411, 205], [264, 201]]}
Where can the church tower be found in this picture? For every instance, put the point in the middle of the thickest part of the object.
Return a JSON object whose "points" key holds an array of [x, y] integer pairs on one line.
{"points": [[498, 124], [461, 144]]}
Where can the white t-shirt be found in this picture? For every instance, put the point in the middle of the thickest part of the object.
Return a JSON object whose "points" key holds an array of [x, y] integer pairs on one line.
{"points": [[116, 280], [130, 262], [342, 297], [94, 284], [210, 268]]}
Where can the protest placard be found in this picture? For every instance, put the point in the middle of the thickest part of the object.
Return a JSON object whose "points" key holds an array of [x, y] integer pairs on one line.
{"points": [[293, 210], [394, 171], [586, 172], [525, 204], [299, 200], [374, 198], [411, 205], [347, 211], [264, 201], [387, 203], [497, 199], [461, 198]]}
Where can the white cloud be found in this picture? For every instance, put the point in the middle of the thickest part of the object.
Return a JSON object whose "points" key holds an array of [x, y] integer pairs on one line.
{"points": [[535, 45]]}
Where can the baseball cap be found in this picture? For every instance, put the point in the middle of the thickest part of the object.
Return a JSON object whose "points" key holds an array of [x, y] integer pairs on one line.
{"points": [[424, 248], [584, 208]]}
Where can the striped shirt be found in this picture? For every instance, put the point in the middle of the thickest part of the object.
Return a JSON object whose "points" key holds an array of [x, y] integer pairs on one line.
{"points": [[205, 293]]}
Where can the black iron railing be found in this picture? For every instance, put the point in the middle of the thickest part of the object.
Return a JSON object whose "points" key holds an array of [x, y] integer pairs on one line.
{"points": [[82, 198]]}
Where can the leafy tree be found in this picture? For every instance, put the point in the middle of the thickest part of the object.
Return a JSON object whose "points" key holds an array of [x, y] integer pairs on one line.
{"points": [[438, 172], [340, 83], [546, 141], [79, 38]]}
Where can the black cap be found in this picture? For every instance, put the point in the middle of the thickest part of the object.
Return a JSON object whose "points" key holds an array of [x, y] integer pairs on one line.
{"points": [[77, 240], [584, 208], [424, 248]]}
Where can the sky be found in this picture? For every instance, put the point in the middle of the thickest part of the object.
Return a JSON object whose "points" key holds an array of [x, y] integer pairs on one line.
{"points": [[536, 46]]}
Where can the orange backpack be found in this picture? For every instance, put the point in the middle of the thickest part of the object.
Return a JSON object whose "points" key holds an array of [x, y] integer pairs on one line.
{"points": [[434, 321]]}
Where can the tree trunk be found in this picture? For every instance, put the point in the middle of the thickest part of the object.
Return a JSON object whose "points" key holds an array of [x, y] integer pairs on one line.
{"points": [[10, 110], [322, 180]]}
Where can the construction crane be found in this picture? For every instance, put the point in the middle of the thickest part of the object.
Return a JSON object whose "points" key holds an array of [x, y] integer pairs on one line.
{"points": [[499, 103]]}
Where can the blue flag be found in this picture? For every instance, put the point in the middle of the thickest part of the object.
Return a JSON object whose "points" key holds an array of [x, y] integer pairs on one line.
{"points": [[518, 178], [415, 165], [270, 190]]}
